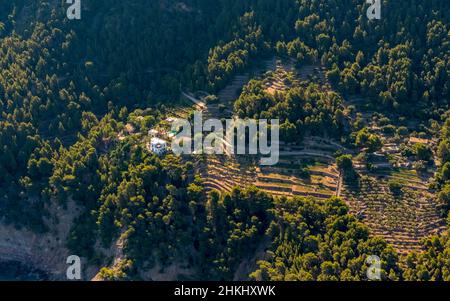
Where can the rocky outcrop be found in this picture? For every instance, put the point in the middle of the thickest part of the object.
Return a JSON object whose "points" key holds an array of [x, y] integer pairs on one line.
{"points": [[46, 252]]}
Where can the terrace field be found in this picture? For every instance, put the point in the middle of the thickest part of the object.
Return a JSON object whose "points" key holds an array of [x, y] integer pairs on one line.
{"points": [[402, 218], [309, 169]]}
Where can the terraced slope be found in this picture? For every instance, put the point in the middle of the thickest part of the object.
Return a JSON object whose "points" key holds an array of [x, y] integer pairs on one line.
{"points": [[402, 218], [281, 78], [306, 170], [303, 170], [223, 173]]}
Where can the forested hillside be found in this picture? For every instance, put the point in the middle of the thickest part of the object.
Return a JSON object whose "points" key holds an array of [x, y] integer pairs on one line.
{"points": [[71, 90]]}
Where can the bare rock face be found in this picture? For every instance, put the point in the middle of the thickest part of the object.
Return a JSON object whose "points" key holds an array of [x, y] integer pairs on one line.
{"points": [[42, 252], [46, 252]]}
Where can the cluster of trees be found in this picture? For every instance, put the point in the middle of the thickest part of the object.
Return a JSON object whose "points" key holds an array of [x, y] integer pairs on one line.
{"points": [[25, 165], [431, 265], [232, 231], [301, 111], [365, 139], [396, 62], [260, 25], [314, 240], [226, 60], [298, 50]]}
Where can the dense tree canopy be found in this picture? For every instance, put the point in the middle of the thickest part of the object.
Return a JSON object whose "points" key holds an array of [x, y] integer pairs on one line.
{"points": [[70, 89]]}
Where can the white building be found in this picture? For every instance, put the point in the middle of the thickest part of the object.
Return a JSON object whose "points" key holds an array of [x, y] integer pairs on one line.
{"points": [[158, 146]]}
